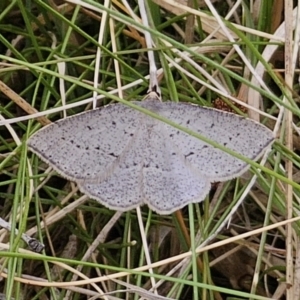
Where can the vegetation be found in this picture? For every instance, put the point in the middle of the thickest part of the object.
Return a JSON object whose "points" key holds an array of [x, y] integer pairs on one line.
{"points": [[56, 57]]}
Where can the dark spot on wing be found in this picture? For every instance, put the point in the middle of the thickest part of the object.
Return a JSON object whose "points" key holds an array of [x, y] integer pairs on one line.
{"points": [[191, 153], [130, 134]]}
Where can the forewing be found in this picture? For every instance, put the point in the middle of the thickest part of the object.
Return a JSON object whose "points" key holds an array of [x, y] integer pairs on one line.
{"points": [[88, 144], [239, 134]]}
